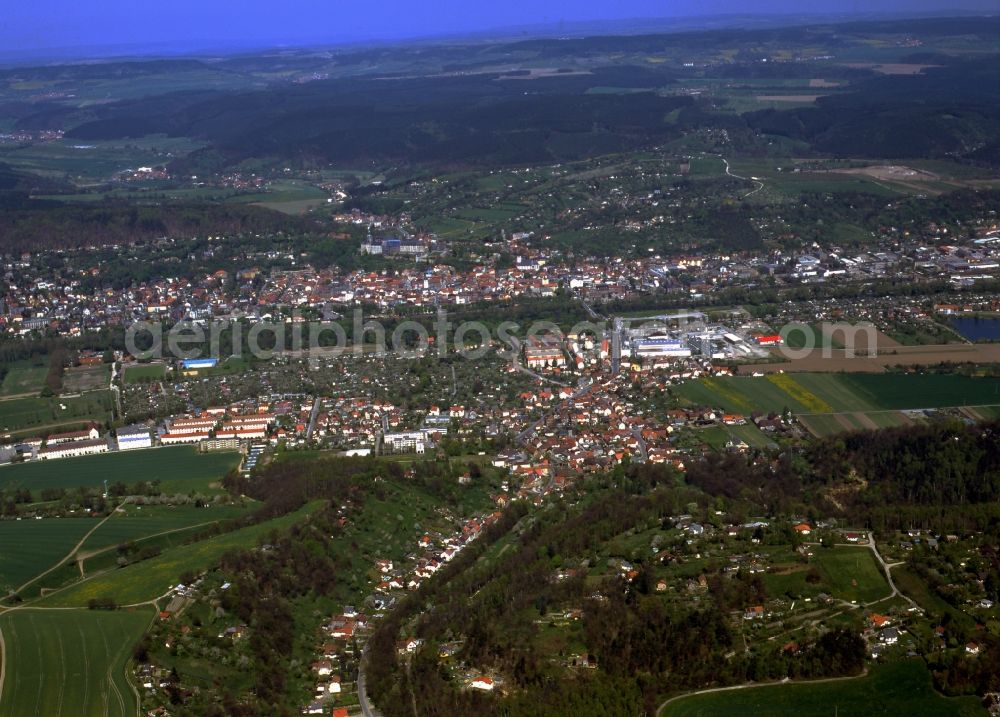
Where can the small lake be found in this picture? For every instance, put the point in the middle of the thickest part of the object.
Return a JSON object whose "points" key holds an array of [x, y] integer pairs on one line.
{"points": [[977, 329]]}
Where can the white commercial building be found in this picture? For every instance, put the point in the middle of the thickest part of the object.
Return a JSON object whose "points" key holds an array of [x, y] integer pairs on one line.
{"points": [[134, 437], [406, 441], [654, 347], [73, 448]]}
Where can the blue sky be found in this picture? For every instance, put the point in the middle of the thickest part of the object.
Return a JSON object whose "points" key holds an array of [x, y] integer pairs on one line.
{"points": [[30, 25]]}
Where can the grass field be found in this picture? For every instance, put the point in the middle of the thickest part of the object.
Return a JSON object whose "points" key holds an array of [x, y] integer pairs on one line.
{"points": [[144, 372], [27, 547], [718, 436], [151, 578], [78, 379], [23, 378], [179, 469], [42, 415], [910, 584], [851, 573], [94, 161], [858, 401], [70, 663], [901, 689]]}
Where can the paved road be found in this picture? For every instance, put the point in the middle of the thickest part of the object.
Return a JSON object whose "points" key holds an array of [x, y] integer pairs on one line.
{"points": [[747, 179], [642, 444], [312, 418], [590, 311], [115, 390], [616, 346], [888, 573]]}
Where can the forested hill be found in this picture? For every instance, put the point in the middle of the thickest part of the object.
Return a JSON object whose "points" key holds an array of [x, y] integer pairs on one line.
{"points": [[951, 110], [548, 100], [948, 111], [492, 605], [13, 180], [945, 472], [29, 225], [438, 120], [930, 464]]}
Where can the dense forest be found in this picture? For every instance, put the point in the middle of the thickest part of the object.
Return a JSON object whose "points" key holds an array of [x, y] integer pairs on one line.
{"points": [[451, 121], [943, 474], [947, 463], [944, 111]]}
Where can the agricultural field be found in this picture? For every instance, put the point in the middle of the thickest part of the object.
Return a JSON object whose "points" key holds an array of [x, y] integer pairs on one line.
{"points": [[134, 522], [828, 424], [983, 413], [36, 416], [179, 469], [782, 176], [499, 213], [900, 689], [134, 373], [70, 663], [851, 574], [24, 378], [28, 547], [830, 403], [149, 579]]}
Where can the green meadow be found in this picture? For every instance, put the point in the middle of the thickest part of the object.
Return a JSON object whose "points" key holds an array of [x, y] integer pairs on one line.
{"points": [[901, 689]]}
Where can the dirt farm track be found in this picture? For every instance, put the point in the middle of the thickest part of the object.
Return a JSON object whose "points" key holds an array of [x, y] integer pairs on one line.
{"points": [[836, 360]]}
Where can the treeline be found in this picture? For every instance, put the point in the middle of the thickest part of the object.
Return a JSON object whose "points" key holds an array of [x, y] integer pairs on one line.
{"points": [[286, 485], [57, 367], [16, 181]]}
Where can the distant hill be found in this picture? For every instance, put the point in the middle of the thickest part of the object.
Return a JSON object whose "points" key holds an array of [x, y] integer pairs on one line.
{"points": [[546, 100]]}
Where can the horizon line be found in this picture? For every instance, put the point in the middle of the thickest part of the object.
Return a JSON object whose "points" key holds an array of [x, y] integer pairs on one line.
{"points": [[197, 48]]}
